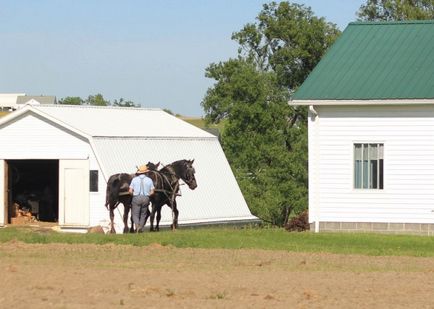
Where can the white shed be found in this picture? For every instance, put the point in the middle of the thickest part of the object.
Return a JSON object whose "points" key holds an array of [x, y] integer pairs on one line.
{"points": [[69, 152], [371, 130]]}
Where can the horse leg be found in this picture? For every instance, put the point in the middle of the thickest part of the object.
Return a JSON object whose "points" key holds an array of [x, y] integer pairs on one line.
{"points": [[157, 227], [175, 216], [152, 218], [112, 217], [126, 213], [132, 225]]}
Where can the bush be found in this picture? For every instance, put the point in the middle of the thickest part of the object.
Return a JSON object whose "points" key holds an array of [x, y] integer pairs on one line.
{"points": [[299, 223]]}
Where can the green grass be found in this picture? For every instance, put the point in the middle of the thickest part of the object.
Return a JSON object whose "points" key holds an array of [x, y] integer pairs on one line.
{"points": [[250, 238], [200, 123]]}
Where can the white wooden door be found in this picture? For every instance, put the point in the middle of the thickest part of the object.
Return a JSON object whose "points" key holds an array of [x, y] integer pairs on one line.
{"points": [[74, 193], [3, 193]]}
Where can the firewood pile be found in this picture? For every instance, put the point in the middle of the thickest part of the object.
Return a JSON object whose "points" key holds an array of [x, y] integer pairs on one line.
{"points": [[21, 216]]}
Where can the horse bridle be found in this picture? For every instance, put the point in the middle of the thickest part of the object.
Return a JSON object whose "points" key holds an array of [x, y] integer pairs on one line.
{"points": [[189, 176]]}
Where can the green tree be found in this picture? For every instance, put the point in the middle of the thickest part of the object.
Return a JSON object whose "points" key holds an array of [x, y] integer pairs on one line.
{"points": [[265, 138], [97, 100], [387, 10], [71, 101], [121, 102]]}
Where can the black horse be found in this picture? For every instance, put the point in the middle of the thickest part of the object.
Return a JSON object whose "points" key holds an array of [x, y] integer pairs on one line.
{"points": [[117, 193], [166, 183]]}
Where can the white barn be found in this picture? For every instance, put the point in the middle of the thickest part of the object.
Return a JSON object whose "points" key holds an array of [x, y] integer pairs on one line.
{"points": [[371, 130], [71, 151]]}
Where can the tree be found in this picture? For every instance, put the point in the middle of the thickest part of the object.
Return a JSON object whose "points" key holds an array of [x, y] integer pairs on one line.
{"points": [[287, 39], [387, 10], [71, 101], [121, 102], [97, 100], [264, 138]]}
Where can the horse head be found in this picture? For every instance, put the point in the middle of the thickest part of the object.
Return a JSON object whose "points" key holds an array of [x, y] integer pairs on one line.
{"points": [[152, 166], [188, 174]]}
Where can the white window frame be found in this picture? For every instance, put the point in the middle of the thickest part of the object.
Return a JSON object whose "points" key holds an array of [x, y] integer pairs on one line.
{"points": [[353, 166]]}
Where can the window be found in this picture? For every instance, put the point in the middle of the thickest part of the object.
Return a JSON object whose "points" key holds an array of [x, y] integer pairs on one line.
{"points": [[93, 181], [368, 166]]}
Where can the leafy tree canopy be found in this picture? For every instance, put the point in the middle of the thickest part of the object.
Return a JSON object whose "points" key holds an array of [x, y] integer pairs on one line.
{"points": [[121, 102], [388, 10], [265, 138], [71, 101], [97, 100]]}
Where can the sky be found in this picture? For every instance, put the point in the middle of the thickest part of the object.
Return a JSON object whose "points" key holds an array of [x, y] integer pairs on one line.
{"points": [[153, 53]]}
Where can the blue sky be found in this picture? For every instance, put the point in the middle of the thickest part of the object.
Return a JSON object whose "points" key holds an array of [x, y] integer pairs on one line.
{"points": [[151, 52]]}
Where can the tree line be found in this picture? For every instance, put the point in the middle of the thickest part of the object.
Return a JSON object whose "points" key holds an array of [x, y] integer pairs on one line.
{"points": [[97, 100], [265, 138]]}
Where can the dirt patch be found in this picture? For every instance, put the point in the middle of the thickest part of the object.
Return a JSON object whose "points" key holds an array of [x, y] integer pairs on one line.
{"points": [[98, 276]]}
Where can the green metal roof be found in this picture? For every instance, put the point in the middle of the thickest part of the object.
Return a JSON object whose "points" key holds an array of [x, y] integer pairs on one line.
{"points": [[374, 61]]}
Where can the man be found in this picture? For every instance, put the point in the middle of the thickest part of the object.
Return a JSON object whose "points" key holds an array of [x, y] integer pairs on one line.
{"points": [[141, 188]]}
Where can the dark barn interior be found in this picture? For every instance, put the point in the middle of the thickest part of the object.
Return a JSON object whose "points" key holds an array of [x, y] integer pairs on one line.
{"points": [[33, 187]]}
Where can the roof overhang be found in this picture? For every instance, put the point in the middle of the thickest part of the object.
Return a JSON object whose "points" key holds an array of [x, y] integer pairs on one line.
{"points": [[362, 102], [28, 108]]}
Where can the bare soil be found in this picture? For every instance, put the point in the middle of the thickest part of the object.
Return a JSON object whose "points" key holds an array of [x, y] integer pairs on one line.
{"points": [[106, 276]]}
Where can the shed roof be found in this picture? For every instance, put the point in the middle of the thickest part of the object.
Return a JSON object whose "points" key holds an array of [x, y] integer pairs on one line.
{"points": [[375, 61], [122, 121]]}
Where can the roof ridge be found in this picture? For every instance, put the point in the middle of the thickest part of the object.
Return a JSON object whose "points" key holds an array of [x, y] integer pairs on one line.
{"points": [[394, 22], [84, 106]]}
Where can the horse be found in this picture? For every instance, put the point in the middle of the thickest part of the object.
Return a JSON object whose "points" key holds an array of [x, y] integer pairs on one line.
{"points": [[166, 183], [117, 192]]}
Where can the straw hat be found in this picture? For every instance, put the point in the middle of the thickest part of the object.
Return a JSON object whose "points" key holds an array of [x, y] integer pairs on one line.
{"points": [[142, 169]]}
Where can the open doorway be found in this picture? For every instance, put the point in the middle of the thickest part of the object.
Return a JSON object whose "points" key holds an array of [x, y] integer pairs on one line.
{"points": [[33, 186]]}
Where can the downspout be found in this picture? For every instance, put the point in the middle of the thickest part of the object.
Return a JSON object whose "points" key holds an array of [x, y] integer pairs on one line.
{"points": [[314, 173], [313, 111]]}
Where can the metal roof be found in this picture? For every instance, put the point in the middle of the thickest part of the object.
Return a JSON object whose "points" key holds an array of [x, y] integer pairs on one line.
{"points": [[375, 61], [9, 99], [43, 99], [121, 121], [217, 197]]}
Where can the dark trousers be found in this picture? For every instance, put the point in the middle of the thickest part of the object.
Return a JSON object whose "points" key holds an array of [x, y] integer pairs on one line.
{"points": [[139, 210]]}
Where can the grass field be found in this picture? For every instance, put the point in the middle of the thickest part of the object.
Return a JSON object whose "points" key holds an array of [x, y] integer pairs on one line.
{"points": [[250, 238]]}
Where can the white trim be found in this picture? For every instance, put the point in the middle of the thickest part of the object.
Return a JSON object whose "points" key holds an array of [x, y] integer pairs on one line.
{"points": [[363, 102], [29, 108]]}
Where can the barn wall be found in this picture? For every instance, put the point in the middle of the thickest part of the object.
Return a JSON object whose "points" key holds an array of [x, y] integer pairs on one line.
{"points": [[217, 198], [408, 136], [31, 137]]}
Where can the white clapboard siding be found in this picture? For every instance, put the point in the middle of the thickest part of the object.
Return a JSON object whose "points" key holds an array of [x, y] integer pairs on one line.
{"points": [[407, 133]]}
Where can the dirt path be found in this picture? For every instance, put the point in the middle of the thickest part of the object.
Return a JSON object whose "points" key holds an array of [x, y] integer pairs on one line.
{"points": [[106, 276]]}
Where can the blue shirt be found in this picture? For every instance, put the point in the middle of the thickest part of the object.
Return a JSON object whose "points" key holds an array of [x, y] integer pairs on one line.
{"points": [[142, 185]]}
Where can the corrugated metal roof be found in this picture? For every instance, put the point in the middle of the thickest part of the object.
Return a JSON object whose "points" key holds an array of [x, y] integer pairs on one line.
{"points": [[217, 197], [44, 99], [122, 121], [377, 60]]}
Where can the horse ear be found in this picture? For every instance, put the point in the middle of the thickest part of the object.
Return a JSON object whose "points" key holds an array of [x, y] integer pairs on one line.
{"points": [[158, 164], [192, 161]]}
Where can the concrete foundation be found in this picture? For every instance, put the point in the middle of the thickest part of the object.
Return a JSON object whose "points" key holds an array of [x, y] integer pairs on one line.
{"points": [[377, 227]]}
